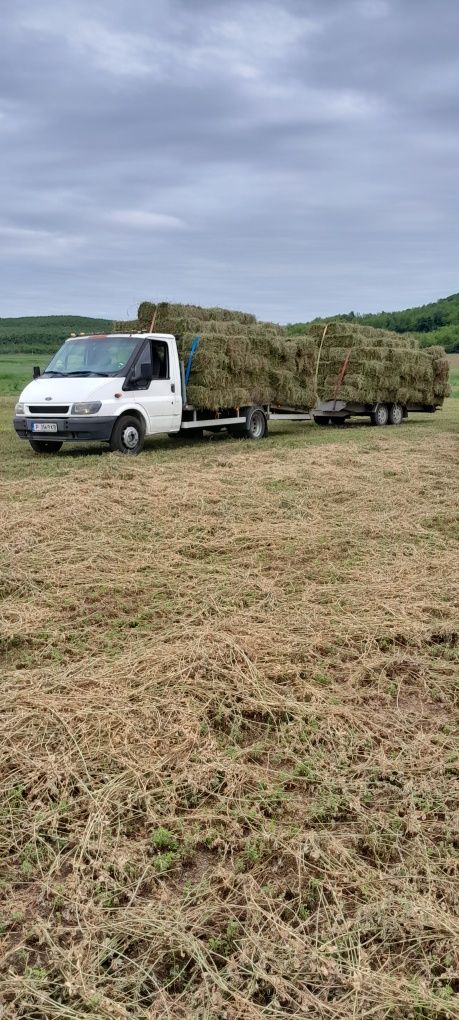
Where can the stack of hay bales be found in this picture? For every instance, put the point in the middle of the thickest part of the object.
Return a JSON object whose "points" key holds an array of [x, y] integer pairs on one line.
{"points": [[238, 361], [165, 314], [382, 366]]}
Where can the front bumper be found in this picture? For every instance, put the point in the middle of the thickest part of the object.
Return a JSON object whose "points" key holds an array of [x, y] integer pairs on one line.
{"points": [[70, 430]]}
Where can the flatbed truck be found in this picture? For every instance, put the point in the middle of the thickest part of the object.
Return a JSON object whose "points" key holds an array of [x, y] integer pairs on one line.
{"points": [[121, 388]]}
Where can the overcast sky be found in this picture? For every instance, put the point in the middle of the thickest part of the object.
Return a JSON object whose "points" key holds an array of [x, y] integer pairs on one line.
{"points": [[296, 158]]}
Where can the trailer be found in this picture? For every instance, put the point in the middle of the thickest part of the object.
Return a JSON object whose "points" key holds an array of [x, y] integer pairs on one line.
{"points": [[337, 412], [121, 388]]}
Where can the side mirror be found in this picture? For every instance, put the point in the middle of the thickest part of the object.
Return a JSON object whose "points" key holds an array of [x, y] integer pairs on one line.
{"points": [[36, 372]]}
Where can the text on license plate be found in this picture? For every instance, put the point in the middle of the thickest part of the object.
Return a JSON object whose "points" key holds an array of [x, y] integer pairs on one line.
{"points": [[44, 426]]}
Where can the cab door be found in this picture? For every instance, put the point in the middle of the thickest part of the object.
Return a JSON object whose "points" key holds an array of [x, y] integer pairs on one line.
{"points": [[155, 391]]}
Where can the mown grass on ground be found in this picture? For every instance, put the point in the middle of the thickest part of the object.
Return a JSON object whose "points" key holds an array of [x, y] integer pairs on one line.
{"points": [[229, 750]]}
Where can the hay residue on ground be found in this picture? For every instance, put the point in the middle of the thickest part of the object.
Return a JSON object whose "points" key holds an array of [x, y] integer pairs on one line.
{"points": [[229, 731]]}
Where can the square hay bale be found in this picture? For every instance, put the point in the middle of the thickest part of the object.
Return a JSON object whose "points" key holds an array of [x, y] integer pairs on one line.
{"points": [[171, 312], [239, 360], [234, 369], [339, 334], [382, 366], [132, 326]]}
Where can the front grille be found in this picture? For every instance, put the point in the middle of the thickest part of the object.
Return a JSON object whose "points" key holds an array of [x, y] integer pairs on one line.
{"points": [[48, 408]]}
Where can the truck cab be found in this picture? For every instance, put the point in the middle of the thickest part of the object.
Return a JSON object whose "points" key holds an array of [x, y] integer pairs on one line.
{"points": [[115, 388]]}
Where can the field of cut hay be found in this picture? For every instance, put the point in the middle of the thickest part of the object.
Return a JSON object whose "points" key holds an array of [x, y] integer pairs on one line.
{"points": [[229, 755]]}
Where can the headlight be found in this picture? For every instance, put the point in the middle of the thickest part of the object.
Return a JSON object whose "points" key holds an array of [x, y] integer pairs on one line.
{"points": [[19, 409], [89, 408]]}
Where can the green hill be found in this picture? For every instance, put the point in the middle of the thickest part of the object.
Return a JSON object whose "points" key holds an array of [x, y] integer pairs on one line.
{"points": [[42, 334], [435, 323]]}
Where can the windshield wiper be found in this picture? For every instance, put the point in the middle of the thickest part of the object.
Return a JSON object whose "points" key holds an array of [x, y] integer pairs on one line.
{"points": [[87, 373], [51, 372]]}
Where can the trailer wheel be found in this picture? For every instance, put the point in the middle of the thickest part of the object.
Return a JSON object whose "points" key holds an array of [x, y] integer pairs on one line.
{"points": [[321, 419], [256, 425], [40, 446], [128, 435], [395, 414], [380, 415]]}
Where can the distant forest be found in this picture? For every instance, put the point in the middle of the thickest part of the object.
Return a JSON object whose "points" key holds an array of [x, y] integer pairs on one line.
{"points": [[436, 323], [43, 334]]}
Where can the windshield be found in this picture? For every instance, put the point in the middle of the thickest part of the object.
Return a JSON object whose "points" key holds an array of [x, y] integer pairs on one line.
{"points": [[88, 356]]}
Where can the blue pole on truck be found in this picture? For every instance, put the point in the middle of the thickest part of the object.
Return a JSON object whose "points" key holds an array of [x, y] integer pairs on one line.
{"points": [[194, 347]]}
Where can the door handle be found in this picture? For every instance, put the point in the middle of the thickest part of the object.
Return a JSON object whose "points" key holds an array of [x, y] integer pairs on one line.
{"points": [[173, 387]]}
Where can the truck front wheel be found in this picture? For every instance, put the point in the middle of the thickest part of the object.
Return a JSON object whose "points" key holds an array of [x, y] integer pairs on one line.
{"points": [[380, 415], [41, 446], [128, 435]]}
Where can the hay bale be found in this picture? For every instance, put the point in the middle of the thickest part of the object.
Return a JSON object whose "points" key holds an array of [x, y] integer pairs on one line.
{"points": [[440, 368], [382, 366], [226, 327], [232, 370], [340, 334], [132, 326], [241, 361], [171, 312]]}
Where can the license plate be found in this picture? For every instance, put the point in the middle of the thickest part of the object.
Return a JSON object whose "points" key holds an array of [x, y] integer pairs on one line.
{"points": [[44, 426]]}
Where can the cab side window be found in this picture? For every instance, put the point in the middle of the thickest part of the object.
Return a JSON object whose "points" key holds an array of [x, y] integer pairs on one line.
{"points": [[160, 359], [152, 363]]}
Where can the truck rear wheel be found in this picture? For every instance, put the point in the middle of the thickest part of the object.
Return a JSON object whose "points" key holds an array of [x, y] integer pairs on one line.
{"points": [[128, 435], [42, 446], [395, 414], [380, 415]]}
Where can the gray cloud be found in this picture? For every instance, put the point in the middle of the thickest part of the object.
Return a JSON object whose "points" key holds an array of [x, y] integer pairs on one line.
{"points": [[296, 159]]}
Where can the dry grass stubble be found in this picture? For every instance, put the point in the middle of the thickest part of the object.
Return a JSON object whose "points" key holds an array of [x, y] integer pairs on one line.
{"points": [[229, 750]]}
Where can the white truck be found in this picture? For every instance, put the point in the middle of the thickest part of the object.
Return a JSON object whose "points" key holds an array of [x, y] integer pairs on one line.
{"points": [[120, 388]]}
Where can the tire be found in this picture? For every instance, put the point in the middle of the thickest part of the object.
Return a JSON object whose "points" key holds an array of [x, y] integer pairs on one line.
{"points": [[322, 420], [380, 415], [256, 425], [43, 446], [128, 435], [395, 414], [339, 421]]}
